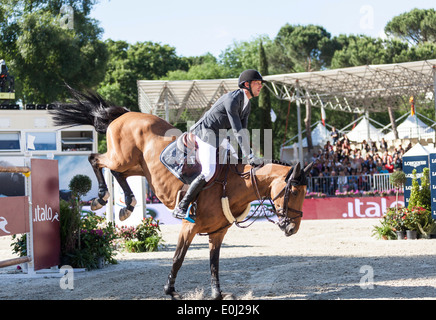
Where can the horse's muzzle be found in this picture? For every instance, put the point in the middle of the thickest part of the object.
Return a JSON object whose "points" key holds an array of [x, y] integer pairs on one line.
{"points": [[287, 226]]}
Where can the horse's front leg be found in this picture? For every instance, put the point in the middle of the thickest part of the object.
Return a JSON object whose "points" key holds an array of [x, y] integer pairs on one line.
{"points": [[186, 235], [215, 241]]}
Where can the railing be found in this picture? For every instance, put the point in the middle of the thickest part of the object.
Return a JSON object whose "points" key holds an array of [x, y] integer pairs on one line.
{"points": [[331, 185]]}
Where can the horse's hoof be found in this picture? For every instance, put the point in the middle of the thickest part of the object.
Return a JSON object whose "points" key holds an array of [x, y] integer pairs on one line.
{"points": [[223, 296], [228, 296], [171, 292], [96, 204], [176, 296], [124, 214]]}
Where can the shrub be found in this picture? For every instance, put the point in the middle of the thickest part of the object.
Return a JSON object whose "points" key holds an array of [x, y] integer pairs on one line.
{"points": [[144, 238]]}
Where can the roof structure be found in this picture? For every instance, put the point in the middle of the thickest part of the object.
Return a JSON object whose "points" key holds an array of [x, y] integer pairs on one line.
{"points": [[181, 100], [356, 89], [359, 89]]}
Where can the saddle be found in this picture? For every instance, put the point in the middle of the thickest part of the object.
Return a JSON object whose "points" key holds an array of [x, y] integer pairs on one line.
{"points": [[180, 157]]}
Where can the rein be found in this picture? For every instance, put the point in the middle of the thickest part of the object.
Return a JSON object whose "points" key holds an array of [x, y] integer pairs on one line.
{"points": [[280, 212]]}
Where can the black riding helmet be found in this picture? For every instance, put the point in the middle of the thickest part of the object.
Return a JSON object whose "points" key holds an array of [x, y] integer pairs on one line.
{"points": [[248, 76]]}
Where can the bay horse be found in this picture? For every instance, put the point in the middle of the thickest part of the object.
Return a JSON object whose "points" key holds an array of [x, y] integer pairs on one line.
{"points": [[134, 143]]}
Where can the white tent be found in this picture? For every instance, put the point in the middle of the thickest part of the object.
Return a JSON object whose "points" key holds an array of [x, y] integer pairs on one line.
{"points": [[320, 136], [412, 127], [360, 132]]}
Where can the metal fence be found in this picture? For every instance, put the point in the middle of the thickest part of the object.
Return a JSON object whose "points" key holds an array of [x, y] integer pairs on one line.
{"points": [[333, 184]]}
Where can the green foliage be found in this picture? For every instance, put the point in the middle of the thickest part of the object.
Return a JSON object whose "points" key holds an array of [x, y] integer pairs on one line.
{"points": [[397, 178], [420, 196], [264, 100], [145, 237], [425, 192], [384, 231], [416, 26], [69, 226], [420, 220], [414, 192], [84, 238], [96, 241], [130, 62], [147, 245], [42, 55], [19, 244], [309, 47], [80, 185]]}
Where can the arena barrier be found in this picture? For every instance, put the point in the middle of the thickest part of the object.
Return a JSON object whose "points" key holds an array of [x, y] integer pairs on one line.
{"points": [[36, 213]]}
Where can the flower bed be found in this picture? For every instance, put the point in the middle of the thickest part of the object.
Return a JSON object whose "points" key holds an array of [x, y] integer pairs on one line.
{"points": [[397, 221]]}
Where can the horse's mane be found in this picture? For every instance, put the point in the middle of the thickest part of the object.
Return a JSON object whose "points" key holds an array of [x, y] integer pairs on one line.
{"points": [[274, 161]]}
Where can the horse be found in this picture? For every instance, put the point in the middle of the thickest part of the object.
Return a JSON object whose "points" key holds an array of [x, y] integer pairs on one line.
{"points": [[134, 144]]}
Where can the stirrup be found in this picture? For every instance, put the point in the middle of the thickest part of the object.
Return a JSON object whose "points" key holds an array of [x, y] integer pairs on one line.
{"points": [[177, 215], [190, 217]]}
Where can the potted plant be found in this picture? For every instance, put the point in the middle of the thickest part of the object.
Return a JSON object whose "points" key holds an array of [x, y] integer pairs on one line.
{"points": [[384, 231], [145, 237], [419, 222], [392, 226]]}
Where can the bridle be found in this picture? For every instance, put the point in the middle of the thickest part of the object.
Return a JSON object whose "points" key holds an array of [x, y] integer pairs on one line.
{"points": [[282, 212], [284, 220]]}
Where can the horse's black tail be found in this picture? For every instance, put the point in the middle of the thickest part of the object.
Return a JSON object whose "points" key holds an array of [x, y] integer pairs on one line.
{"points": [[88, 109]]}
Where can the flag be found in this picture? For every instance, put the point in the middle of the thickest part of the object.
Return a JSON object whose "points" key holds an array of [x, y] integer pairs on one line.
{"points": [[412, 106], [323, 117]]}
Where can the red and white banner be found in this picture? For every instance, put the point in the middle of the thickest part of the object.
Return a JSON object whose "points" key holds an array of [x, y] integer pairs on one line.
{"points": [[348, 208], [322, 208]]}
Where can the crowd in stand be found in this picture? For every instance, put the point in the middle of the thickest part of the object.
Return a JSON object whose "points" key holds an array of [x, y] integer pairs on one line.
{"points": [[338, 166]]}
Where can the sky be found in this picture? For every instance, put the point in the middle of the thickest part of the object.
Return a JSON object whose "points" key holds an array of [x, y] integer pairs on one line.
{"points": [[196, 27]]}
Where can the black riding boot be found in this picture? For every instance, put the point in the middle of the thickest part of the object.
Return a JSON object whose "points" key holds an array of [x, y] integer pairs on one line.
{"points": [[194, 189]]}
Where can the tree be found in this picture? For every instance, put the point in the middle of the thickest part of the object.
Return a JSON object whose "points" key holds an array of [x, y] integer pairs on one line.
{"points": [[129, 63], [416, 26], [308, 48], [43, 55], [264, 100], [202, 67], [397, 179]]}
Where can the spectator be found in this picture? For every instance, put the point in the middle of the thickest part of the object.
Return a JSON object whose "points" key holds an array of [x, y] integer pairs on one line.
{"points": [[335, 135], [398, 162], [383, 145], [349, 164], [390, 167], [332, 183], [384, 170], [342, 181]]}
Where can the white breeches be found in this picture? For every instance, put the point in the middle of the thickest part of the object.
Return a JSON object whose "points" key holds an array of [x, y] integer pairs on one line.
{"points": [[207, 157]]}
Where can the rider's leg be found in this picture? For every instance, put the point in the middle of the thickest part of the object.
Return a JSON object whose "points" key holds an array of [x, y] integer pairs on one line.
{"points": [[207, 158]]}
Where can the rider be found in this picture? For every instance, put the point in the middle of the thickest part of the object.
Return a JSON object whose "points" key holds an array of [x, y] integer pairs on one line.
{"points": [[231, 111]]}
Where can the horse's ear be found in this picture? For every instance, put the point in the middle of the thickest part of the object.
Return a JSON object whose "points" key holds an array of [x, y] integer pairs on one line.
{"points": [[296, 173], [308, 168]]}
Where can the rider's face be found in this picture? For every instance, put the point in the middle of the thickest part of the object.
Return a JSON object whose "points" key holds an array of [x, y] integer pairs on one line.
{"points": [[256, 86]]}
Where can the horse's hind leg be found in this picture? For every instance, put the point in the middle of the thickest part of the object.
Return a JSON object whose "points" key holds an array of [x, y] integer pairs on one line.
{"points": [[103, 193], [128, 196]]}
